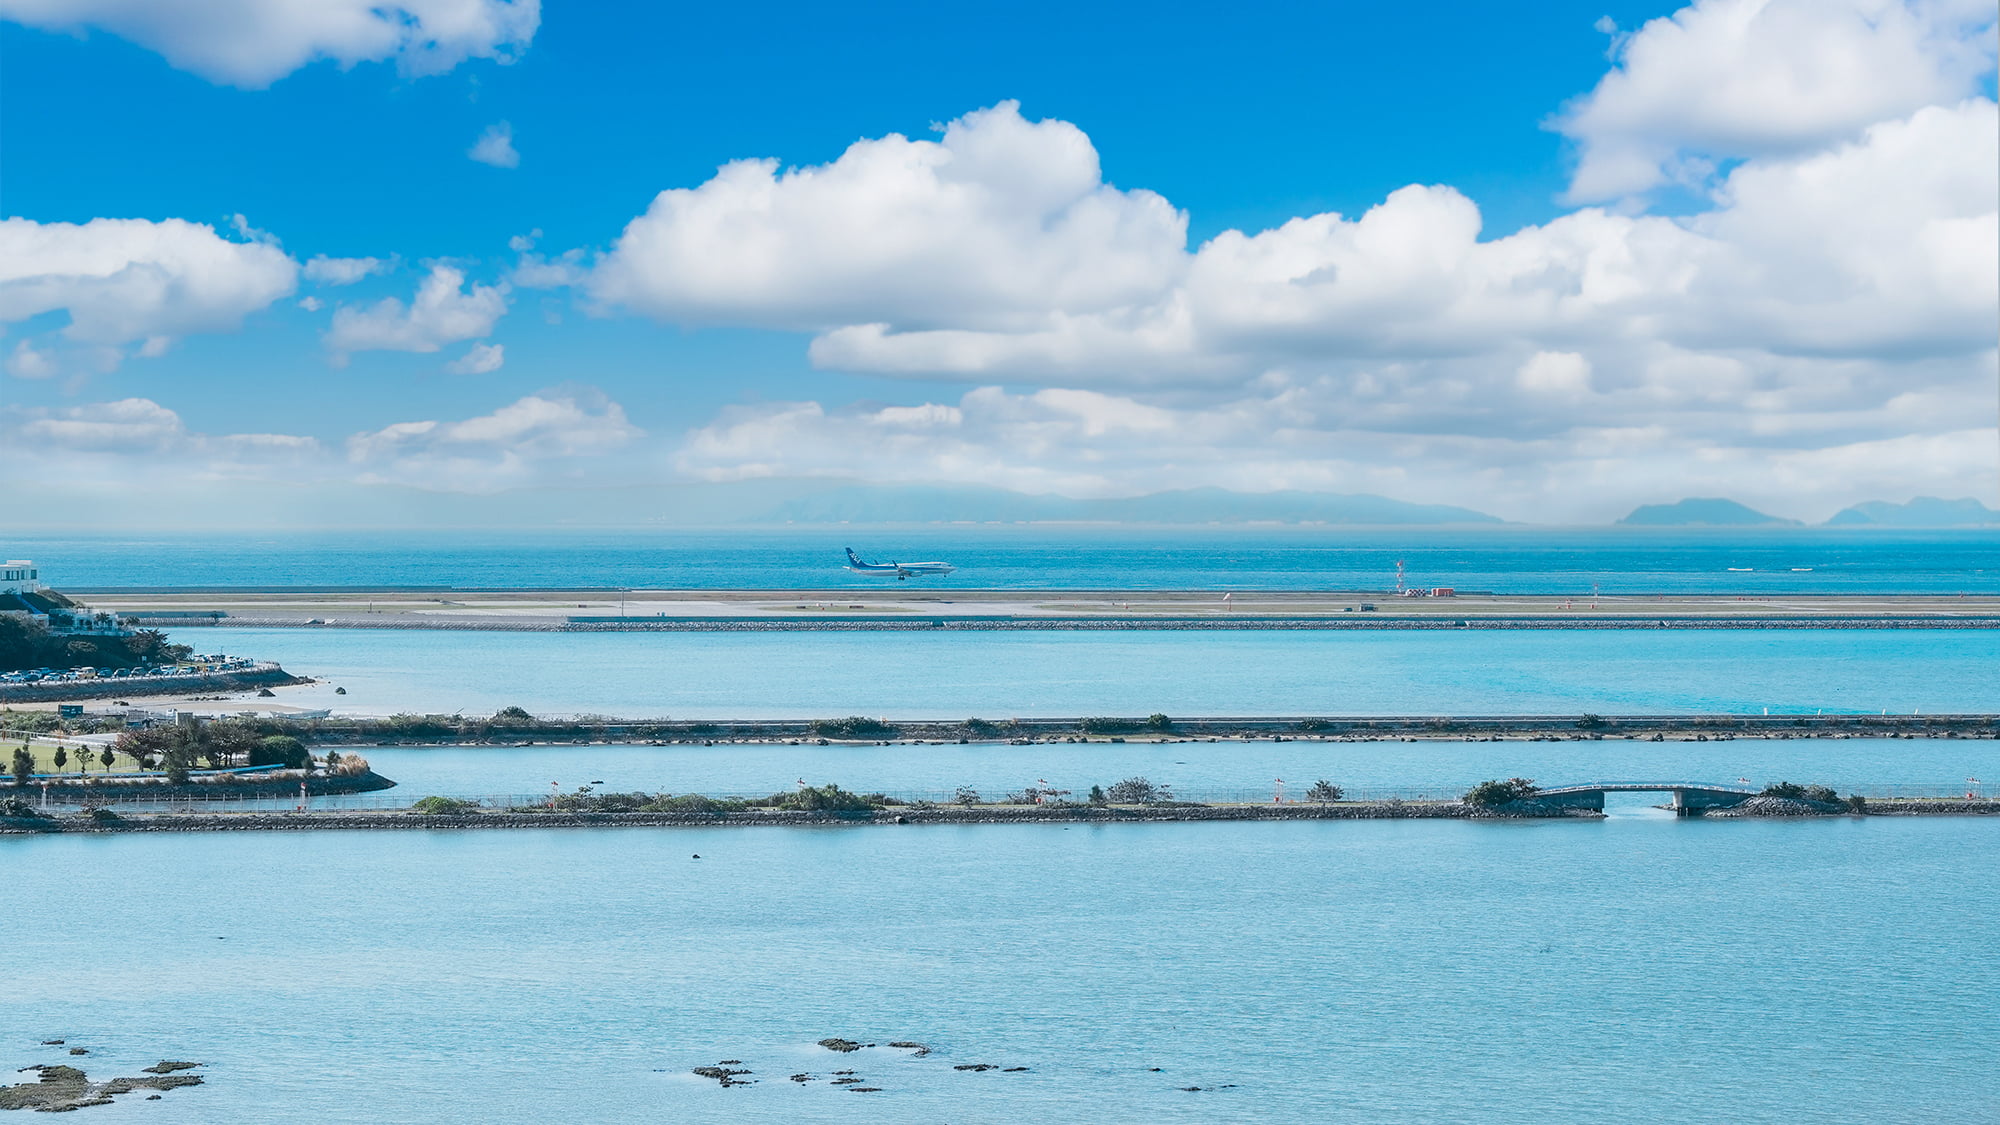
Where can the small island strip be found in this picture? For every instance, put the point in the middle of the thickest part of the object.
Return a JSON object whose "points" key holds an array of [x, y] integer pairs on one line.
{"points": [[1134, 800]]}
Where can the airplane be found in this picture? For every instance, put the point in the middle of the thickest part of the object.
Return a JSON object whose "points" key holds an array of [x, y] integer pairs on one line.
{"points": [[900, 570]]}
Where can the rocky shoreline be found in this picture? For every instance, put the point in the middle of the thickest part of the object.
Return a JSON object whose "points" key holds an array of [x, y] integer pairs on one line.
{"points": [[906, 815], [278, 783], [442, 730]]}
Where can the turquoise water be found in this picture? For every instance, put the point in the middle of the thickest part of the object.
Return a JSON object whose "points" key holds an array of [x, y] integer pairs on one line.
{"points": [[1625, 971], [1517, 560], [1238, 770], [1007, 675]]}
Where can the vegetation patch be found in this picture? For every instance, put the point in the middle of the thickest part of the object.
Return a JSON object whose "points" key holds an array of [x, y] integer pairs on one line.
{"points": [[443, 806], [853, 726], [1493, 794], [1819, 793], [1138, 791], [1324, 792]]}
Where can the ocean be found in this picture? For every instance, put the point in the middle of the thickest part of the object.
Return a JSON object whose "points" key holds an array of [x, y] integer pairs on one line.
{"points": [[1375, 971], [1623, 970], [1002, 675], [1512, 560]]}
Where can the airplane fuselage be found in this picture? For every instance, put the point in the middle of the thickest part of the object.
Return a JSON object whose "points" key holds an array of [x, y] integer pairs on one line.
{"points": [[895, 569]]}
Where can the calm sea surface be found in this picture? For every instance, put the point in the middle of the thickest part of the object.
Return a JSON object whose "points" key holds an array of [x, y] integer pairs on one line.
{"points": [[1627, 970], [1506, 560], [1006, 675], [1621, 971]]}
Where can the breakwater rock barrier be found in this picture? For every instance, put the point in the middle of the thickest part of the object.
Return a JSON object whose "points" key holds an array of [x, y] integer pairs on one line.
{"points": [[420, 730], [277, 784], [988, 814]]}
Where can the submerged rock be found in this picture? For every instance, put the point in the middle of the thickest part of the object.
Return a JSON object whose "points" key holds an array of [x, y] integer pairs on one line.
{"points": [[844, 1046], [919, 1049]]}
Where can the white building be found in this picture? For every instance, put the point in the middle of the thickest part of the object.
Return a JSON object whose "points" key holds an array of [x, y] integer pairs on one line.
{"points": [[19, 576]]}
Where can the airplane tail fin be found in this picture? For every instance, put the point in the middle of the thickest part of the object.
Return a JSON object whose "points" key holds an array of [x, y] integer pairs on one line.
{"points": [[854, 558]]}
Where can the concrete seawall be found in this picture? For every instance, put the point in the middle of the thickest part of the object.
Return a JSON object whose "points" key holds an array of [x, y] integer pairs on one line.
{"points": [[499, 820], [932, 623]]}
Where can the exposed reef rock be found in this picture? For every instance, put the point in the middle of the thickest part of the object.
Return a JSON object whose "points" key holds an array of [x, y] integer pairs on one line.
{"points": [[60, 1089]]}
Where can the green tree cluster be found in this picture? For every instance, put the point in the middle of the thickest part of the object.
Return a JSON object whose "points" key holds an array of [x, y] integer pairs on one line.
{"points": [[1491, 794]]}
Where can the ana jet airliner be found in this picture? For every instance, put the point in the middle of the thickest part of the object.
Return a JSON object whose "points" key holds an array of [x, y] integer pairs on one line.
{"points": [[900, 570]]}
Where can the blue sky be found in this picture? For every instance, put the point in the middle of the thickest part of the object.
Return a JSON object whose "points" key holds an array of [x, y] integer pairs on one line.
{"points": [[1691, 304]]}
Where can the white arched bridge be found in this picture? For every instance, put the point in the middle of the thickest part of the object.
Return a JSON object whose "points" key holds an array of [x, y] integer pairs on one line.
{"points": [[1689, 797]]}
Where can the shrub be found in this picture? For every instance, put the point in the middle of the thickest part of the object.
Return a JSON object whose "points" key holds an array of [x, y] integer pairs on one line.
{"points": [[587, 800], [966, 795], [1137, 791], [1106, 725], [1857, 803], [691, 803], [829, 798], [442, 806], [1324, 792], [853, 726], [513, 715], [1490, 794], [280, 750], [980, 726], [1785, 789], [1820, 793], [1159, 722], [1097, 797], [1311, 725], [1590, 722]]}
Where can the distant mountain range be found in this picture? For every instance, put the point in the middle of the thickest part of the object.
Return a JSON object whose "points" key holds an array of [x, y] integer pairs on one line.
{"points": [[872, 503], [1924, 511], [1702, 512]]}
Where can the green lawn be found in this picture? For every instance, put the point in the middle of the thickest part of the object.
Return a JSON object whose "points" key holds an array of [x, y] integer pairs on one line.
{"points": [[45, 758]]}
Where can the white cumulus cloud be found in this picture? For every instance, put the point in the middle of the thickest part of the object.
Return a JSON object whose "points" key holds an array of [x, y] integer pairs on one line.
{"points": [[480, 359], [344, 271], [1000, 218], [496, 450], [495, 146], [127, 281], [444, 311], [1727, 79], [253, 43]]}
